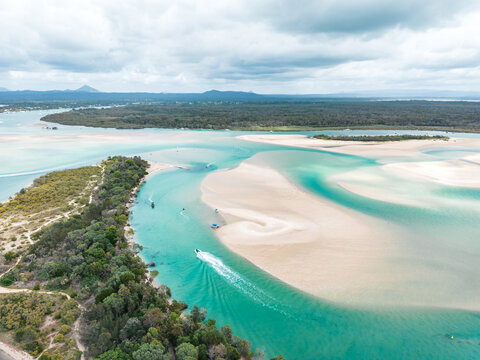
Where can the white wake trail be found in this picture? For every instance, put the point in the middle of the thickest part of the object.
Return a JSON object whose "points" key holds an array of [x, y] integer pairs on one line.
{"points": [[238, 281]]}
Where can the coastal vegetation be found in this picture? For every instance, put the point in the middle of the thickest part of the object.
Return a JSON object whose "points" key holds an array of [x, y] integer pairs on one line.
{"points": [[380, 138], [36, 322], [282, 115], [53, 190], [125, 316], [50, 197]]}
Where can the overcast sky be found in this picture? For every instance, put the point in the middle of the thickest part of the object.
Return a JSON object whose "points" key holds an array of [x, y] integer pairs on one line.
{"points": [[277, 46]]}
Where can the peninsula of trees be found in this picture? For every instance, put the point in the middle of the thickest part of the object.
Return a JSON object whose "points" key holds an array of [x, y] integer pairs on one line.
{"points": [[78, 286], [282, 115], [380, 138]]}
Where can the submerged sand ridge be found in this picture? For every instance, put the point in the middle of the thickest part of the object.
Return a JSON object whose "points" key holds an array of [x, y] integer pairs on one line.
{"points": [[324, 248]]}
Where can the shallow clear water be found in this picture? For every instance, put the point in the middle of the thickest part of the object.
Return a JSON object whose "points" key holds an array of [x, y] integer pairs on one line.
{"points": [[274, 316]]}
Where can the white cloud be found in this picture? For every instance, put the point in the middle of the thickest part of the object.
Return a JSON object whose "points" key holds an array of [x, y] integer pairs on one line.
{"points": [[268, 46]]}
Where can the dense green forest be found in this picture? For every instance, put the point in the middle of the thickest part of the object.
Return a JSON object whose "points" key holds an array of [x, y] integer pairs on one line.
{"points": [[286, 115], [125, 316], [380, 138]]}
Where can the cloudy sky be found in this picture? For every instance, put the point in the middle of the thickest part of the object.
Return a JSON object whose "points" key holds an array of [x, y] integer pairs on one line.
{"points": [[266, 46]]}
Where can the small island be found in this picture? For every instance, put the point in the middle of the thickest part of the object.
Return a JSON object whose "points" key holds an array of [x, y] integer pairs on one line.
{"points": [[380, 138]]}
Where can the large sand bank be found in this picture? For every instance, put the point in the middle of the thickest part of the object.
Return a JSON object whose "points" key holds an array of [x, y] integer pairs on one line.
{"points": [[321, 247], [303, 240], [402, 158], [359, 148]]}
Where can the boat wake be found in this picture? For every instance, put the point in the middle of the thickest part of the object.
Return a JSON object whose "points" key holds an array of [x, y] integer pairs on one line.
{"points": [[239, 282]]}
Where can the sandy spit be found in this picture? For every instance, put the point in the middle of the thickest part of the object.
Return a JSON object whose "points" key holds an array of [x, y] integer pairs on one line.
{"points": [[404, 158]]}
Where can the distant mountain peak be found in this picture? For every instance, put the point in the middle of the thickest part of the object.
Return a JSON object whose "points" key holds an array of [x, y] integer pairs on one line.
{"points": [[86, 88]]}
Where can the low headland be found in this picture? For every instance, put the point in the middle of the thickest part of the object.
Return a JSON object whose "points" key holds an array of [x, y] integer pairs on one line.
{"points": [[78, 289]]}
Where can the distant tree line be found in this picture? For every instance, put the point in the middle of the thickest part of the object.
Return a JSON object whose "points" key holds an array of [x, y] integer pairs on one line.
{"points": [[286, 115], [380, 138]]}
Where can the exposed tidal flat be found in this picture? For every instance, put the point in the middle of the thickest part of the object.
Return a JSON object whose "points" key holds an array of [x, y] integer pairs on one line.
{"points": [[431, 246]]}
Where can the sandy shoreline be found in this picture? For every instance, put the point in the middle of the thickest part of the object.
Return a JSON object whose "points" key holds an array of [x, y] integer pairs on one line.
{"points": [[306, 241], [154, 168], [405, 159], [359, 148], [323, 248], [13, 352]]}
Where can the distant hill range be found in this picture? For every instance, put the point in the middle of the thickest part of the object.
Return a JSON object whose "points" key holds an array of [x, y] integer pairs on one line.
{"points": [[87, 95], [83, 89]]}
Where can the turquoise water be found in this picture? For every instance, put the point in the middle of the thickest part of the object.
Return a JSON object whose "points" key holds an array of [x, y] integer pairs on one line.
{"points": [[275, 317]]}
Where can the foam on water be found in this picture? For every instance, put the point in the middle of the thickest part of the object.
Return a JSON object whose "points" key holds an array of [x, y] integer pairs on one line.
{"points": [[235, 279], [229, 275]]}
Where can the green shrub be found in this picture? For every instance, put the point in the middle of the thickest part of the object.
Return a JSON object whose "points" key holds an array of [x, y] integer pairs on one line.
{"points": [[7, 280], [59, 338], [65, 329], [10, 255]]}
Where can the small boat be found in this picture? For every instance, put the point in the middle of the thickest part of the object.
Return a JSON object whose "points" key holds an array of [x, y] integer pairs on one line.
{"points": [[215, 226], [197, 251], [153, 204]]}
